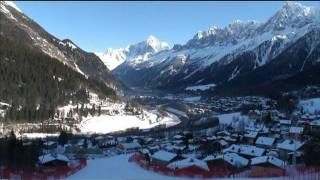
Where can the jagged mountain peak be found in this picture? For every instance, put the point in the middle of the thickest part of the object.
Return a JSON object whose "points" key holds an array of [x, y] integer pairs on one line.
{"points": [[151, 39], [292, 14], [135, 52]]}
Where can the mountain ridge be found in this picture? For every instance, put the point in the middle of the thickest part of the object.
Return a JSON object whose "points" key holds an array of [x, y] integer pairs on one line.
{"points": [[221, 54]]}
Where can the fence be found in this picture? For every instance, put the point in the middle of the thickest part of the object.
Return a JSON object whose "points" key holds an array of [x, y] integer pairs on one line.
{"points": [[56, 173], [253, 172]]}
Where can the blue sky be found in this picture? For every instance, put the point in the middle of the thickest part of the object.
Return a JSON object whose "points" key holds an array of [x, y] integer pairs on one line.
{"points": [[96, 26]]}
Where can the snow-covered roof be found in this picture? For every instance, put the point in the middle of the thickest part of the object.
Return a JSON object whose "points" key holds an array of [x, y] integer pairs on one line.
{"points": [[251, 134], [164, 155], [296, 130], [131, 145], [99, 138], [145, 151], [187, 163], [224, 133], [223, 142], [49, 157], [286, 122], [211, 138], [177, 136], [227, 138], [245, 150], [267, 159], [232, 158], [265, 141], [291, 145], [315, 123], [49, 143]]}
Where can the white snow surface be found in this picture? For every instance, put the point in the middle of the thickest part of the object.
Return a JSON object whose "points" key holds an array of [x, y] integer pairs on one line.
{"points": [[112, 123], [200, 87], [38, 135], [310, 105], [116, 167]]}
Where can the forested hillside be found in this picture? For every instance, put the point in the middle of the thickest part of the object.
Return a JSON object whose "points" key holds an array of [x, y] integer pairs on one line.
{"points": [[34, 84]]}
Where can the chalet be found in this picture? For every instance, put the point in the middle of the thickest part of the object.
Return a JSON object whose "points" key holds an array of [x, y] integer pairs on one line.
{"points": [[229, 139], [227, 160], [247, 151], [163, 158], [211, 138], [189, 165], [53, 160], [315, 125], [254, 114], [144, 151], [223, 143], [267, 161], [265, 142], [154, 148], [295, 132], [285, 124], [50, 145], [109, 143], [80, 152], [287, 147], [129, 147], [250, 136], [223, 133], [268, 166]]}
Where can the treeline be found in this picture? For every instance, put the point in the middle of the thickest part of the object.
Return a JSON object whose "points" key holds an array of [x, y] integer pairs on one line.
{"points": [[34, 84]]}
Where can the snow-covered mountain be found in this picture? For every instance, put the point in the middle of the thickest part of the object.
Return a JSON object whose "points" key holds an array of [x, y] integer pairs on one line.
{"points": [[220, 55], [135, 53], [17, 26]]}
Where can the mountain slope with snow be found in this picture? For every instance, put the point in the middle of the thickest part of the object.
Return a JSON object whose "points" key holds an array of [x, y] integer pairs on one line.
{"points": [[17, 26], [135, 53], [220, 55]]}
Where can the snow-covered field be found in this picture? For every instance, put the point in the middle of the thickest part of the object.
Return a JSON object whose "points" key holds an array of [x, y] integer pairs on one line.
{"points": [[116, 167], [38, 135], [107, 123], [200, 87], [310, 105], [192, 99]]}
